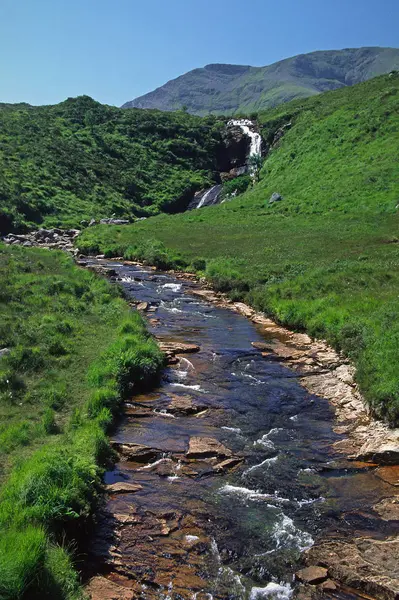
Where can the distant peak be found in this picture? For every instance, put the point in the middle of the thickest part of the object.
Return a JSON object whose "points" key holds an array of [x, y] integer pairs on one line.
{"points": [[227, 69]]}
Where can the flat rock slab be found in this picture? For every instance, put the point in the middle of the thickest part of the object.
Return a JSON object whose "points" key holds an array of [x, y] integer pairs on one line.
{"points": [[389, 475], [136, 452], [388, 509], [205, 447], [100, 588], [178, 347], [123, 487], [185, 405], [312, 575]]}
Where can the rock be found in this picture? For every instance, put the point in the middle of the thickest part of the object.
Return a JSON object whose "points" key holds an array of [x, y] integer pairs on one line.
{"points": [[389, 475], [92, 222], [100, 588], [123, 487], [178, 347], [136, 452], [244, 309], [184, 405], [204, 447], [367, 565], [84, 223], [229, 463], [275, 197], [4, 352], [382, 447], [312, 575], [143, 306], [329, 586], [388, 509], [114, 221]]}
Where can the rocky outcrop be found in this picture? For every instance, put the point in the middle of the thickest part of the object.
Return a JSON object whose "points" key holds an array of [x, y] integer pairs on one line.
{"points": [[234, 150], [59, 239]]}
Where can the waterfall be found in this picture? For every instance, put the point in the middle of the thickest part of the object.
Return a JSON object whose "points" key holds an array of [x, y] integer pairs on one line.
{"points": [[247, 127], [207, 198]]}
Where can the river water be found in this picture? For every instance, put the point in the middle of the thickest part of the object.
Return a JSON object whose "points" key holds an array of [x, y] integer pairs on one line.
{"points": [[199, 529]]}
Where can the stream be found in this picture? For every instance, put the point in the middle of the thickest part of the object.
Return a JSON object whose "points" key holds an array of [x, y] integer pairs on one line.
{"points": [[227, 471]]}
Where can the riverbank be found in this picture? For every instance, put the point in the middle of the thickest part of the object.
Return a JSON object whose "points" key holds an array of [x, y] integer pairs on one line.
{"points": [[71, 349]]}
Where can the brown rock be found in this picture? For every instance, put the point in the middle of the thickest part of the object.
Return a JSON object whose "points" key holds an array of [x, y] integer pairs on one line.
{"points": [[329, 586], [100, 588], [136, 452], [123, 487], [142, 306], [229, 463], [312, 575], [388, 509], [389, 474], [178, 347], [184, 405], [204, 447]]}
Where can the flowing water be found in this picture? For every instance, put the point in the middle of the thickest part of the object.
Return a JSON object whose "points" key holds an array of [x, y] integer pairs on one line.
{"points": [[230, 521], [246, 125]]}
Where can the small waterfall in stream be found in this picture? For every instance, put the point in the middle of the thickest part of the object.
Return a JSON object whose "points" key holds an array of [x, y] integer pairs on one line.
{"points": [[256, 140], [212, 195]]}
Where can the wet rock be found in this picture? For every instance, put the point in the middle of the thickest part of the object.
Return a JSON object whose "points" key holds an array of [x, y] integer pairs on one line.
{"points": [[123, 487], [388, 509], [389, 475], [275, 197], [367, 565], [228, 464], [100, 588], [136, 452], [185, 405], [204, 447], [312, 575], [143, 306], [178, 347]]}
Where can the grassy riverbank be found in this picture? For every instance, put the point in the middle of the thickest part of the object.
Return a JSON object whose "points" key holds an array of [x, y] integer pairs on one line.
{"points": [[75, 349], [324, 259]]}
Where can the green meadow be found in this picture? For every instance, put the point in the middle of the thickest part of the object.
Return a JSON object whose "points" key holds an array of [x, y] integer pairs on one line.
{"points": [[75, 350], [325, 258]]}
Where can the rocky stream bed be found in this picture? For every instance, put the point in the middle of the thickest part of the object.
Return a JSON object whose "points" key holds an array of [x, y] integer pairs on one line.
{"points": [[252, 471]]}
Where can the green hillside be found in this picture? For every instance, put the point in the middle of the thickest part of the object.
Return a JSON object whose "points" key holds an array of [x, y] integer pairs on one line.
{"points": [[326, 257], [231, 89], [82, 160]]}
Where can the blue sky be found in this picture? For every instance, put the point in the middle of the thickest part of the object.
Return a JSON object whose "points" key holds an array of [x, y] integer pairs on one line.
{"points": [[115, 50]]}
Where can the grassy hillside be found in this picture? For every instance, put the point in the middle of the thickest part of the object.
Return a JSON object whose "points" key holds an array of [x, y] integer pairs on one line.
{"points": [[231, 89], [73, 348], [81, 160], [326, 257]]}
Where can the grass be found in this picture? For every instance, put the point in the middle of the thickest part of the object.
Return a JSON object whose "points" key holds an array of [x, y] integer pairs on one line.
{"points": [[324, 259], [75, 350]]}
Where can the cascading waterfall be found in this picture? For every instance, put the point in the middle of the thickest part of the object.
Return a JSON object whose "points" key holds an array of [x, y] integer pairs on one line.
{"points": [[212, 195], [247, 127]]}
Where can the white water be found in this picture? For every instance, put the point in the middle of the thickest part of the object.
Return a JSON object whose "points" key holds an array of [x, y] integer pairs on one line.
{"points": [[256, 140], [274, 591], [205, 197]]}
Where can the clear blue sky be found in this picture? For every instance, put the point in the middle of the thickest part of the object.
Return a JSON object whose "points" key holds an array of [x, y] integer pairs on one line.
{"points": [[115, 50]]}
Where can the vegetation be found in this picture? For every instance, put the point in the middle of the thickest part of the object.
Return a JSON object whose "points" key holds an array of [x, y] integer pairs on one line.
{"points": [[231, 89], [75, 350], [80, 160], [326, 257]]}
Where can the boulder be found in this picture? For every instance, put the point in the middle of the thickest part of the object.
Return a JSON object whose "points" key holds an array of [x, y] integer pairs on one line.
{"points": [[312, 575], [275, 197], [143, 306], [92, 222], [4, 352]]}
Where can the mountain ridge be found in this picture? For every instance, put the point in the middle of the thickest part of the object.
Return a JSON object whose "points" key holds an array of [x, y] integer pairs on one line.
{"points": [[219, 88]]}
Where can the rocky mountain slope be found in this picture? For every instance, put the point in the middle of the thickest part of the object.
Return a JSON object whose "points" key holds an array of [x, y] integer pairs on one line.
{"points": [[229, 89]]}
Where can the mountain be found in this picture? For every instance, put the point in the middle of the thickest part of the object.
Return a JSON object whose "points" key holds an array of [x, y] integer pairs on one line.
{"points": [[230, 89]]}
